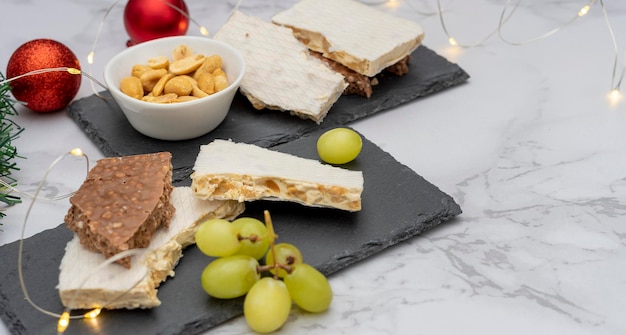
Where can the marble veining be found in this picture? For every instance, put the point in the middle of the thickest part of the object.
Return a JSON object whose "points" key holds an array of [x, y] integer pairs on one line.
{"points": [[530, 147]]}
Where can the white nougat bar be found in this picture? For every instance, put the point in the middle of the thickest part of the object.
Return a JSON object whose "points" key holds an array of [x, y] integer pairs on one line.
{"points": [[280, 72], [351, 33], [245, 172]]}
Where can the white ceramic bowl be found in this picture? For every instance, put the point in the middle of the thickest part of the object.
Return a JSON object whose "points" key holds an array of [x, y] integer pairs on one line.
{"points": [[182, 120]]}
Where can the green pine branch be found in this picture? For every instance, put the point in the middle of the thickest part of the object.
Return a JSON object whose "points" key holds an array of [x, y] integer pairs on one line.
{"points": [[9, 131]]}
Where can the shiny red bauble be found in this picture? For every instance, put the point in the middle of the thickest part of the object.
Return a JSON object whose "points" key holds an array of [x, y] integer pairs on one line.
{"points": [[147, 20], [45, 92]]}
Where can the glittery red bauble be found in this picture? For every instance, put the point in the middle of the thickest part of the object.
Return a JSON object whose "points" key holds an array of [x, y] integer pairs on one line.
{"points": [[147, 20], [49, 91]]}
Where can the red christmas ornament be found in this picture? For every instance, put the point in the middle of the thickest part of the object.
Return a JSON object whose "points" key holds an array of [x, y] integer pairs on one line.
{"points": [[49, 91], [147, 20]]}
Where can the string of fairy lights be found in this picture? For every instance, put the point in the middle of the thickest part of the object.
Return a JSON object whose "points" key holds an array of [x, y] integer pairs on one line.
{"points": [[65, 317], [507, 12]]}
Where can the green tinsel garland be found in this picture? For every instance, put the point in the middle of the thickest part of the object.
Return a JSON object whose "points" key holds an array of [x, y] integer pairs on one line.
{"points": [[9, 131]]}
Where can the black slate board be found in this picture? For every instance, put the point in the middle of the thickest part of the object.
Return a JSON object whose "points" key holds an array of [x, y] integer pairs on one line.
{"points": [[397, 204], [104, 123]]}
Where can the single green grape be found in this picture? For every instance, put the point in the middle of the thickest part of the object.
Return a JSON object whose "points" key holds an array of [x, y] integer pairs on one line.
{"points": [[309, 288], [286, 254], [230, 277], [267, 305], [339, 145], [248, 228], [217, 238]]}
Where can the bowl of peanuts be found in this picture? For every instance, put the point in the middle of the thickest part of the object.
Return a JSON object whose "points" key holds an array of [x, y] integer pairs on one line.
{"points": [[175, 88]]}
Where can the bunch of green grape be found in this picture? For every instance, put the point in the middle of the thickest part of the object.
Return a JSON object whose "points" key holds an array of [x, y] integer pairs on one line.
{"points": [[270, 289]]}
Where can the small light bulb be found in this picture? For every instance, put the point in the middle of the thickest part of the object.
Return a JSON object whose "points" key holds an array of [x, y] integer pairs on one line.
{"points": [[90, 58], [93, 313], [393, 4], [615, 95], [452, 41], [204, 31], [64, 321], [76, 152], [72, 70], [583, 11]]}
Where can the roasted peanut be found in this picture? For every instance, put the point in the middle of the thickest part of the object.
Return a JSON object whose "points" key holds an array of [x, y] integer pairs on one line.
{"points": [[186, 65], [210, 64], [161, 99], [181, 52], [132, 87], [179, 86], [153, 74], [218, 72], [206, 82], [138, 70], [151, 77], [159, 62], [186, 98], [197, 92], [191, 80], [160, 85], [221, 81]]}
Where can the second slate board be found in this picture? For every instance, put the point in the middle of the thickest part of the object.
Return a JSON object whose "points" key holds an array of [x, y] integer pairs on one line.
{"points": [[106, 126]]}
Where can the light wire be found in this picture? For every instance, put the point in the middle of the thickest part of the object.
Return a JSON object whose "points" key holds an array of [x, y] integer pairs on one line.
{"points": [[508, 11], [65, 317], [582, 12]]}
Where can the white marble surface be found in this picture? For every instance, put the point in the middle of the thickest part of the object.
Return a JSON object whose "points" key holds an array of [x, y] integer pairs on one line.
{"points": [[530, 147]]}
